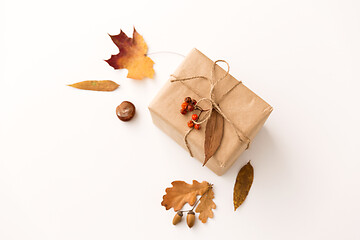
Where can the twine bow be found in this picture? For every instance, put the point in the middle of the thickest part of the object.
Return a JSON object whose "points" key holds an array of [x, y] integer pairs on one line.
{"points": [[212, 100]]}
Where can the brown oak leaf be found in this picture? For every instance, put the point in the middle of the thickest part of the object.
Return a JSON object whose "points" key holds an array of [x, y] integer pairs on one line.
{"points": [[206, 205], [132, 56], [181, 193]]}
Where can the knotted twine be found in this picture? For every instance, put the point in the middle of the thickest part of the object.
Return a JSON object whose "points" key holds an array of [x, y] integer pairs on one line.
{"points": [[212, 100]]}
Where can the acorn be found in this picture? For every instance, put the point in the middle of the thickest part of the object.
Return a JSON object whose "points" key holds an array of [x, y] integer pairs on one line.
{"points": [[177, 217], [190, 219]]}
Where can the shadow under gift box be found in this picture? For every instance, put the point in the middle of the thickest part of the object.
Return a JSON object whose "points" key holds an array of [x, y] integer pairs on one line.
{"points": [[247, 111]]}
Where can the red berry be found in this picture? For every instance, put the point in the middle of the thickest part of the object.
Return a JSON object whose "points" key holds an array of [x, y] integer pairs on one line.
{"points": [[194, 117], [190, 108], [184, 105], [187, 100], [194, 102], [183, 111], [197, 126], [190, 124]]}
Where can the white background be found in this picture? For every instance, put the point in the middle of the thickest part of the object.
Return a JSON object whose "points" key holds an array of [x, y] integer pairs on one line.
{"points": [[69, 169]]}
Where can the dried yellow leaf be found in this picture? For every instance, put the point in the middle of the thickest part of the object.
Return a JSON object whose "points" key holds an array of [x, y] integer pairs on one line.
{"points": [[243, 184], [94, 85]]}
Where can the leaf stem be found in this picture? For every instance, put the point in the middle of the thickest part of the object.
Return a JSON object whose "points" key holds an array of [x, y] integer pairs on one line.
{"points": [[197, 201]]}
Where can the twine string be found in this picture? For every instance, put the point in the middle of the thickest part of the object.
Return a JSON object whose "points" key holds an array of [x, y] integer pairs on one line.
{"points": [[212, 100]]}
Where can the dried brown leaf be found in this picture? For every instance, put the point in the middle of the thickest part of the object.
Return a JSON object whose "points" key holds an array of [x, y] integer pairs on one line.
{"points": [[243, 184], [206, 205], [181, 193], [213, 134], [103, 85]]}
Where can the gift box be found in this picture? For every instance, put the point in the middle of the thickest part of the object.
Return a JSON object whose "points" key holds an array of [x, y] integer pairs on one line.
{"points": [[244, 112]]}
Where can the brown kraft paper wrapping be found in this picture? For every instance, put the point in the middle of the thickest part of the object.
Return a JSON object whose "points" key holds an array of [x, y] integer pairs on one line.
{"points": [[247, 111]]}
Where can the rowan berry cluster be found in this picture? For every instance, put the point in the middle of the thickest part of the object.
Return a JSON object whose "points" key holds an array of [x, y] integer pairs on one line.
{"points": [[189, 105]]}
